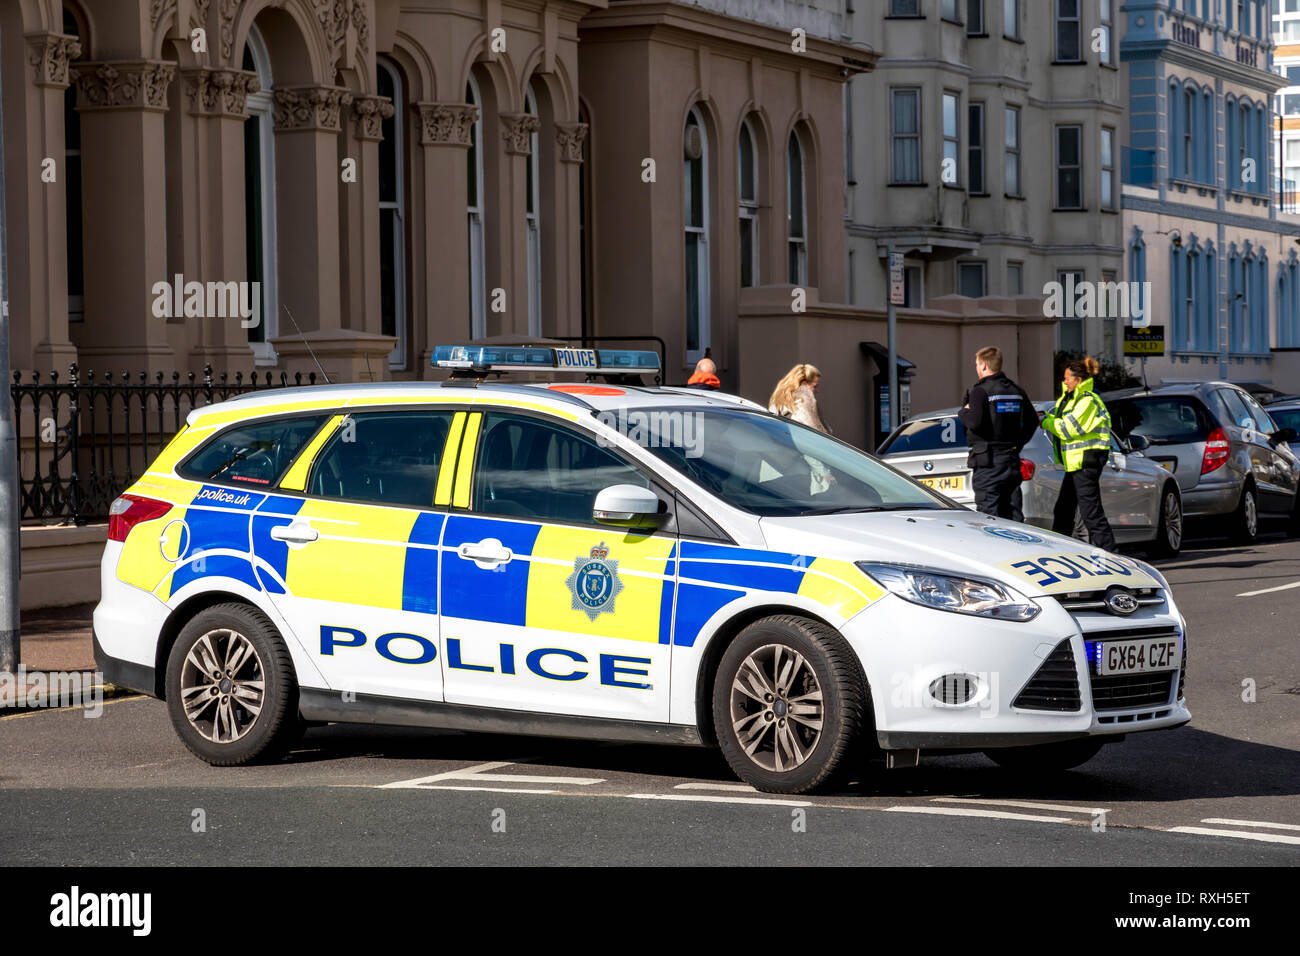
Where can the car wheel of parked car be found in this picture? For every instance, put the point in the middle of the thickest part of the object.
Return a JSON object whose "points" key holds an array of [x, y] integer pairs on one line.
{"points": [[231, 691], [1169, 531], [1046, 757], [1244, 527], [789, 702]]}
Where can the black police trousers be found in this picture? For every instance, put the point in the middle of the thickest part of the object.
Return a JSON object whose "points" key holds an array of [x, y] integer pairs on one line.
{"points": [[1082, 490], [996, 484]]}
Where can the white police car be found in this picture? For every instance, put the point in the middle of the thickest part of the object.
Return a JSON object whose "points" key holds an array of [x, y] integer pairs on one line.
{"points": [[612, 562]]}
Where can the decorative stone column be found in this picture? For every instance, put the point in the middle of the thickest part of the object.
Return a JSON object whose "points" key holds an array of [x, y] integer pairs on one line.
{"points": [[440, 288], [564, 257], [206, 216], [36, 73], [122, 105], [359, 229], [511, 240], [307, 126]]}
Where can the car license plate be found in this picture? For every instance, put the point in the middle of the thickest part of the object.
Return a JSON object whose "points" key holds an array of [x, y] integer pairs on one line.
{"points": [[1138, 657], [945, 482]]}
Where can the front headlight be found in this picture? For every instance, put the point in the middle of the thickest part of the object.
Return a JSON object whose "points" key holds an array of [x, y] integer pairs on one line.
{"points": [[948, 592]]}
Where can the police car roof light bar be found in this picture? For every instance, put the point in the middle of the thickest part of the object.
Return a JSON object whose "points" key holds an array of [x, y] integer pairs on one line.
{"points": [[479, 360]]}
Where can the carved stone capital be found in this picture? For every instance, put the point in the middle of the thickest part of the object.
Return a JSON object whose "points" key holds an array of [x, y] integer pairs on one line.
{"points": [[310, 107], [517, 130], [569, 137], [49, 54], [369, 112], [446, 124], [124, 85], [219, 92]]}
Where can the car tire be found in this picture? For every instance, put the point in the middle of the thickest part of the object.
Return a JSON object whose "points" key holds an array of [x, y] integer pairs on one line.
{"points": [[1046, 758], [1243, 526], [1169, 528], [786, 658], [230, 686]]}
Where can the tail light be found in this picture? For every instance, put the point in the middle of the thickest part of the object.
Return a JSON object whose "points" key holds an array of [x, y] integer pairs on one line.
{"points": [[1217, 449], [129, 510], [1027, 469]]}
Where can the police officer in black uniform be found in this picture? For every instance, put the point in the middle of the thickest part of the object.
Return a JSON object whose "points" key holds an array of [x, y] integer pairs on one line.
{"points": [[1000, 419]]}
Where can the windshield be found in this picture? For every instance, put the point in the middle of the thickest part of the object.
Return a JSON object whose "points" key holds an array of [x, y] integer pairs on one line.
{"points": [[773, 467], [930, 434]]}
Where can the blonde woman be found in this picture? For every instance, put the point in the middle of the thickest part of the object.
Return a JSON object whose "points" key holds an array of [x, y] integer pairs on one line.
{"points": [[795, 397]]}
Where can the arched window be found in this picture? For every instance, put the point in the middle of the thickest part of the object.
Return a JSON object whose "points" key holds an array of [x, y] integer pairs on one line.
{"points": [[1288, 302], [796, 213], [1207, 302], [695, 190], [747, 161], [474, 210], [1262, 150], [392, 213], [1187, 143], [259, 198], [1206, 153], [73, 222], [1176, 124], [1259, 338], [532, 207]]}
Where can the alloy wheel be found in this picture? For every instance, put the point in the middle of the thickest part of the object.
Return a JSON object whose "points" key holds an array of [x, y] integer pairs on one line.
{"points": [[777, 708], [1173, 521], [223, 685]]}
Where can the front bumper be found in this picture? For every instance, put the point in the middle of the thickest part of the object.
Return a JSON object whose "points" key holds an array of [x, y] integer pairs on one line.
{"points": [[943, 681]]}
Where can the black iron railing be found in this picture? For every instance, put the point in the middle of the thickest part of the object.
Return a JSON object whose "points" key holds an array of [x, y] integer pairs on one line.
{"points": [[82, 441]]}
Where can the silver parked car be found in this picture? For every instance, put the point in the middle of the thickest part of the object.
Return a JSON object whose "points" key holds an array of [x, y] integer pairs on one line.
{"points": [[1232, 461], [1142, 501]]}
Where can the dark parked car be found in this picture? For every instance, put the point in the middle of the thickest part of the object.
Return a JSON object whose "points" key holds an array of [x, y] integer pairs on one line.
{"points": [[1231, 459]]}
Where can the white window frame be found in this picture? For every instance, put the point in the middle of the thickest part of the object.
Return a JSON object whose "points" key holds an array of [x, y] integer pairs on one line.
{"points": [[474, 211], [1107, 148], [1059, 19], [1105, 10], [748, 206], [1056, 135], [952, 139], [397, 357], [702, 248], [1012, 154], [1011, 19], [262, 106], [797, 244], [894, 135], [975, 18]]}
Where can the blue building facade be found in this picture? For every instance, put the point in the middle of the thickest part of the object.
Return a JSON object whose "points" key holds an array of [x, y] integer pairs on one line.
{"points": [[1201, 216]]}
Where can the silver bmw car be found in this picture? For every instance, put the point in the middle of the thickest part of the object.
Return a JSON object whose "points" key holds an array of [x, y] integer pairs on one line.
{"points": [[1142, 500]]}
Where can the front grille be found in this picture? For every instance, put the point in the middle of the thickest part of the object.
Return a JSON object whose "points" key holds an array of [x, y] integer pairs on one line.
{"points": [[1078, 602], [1054, 686], [1127, 691], [955, 688]]}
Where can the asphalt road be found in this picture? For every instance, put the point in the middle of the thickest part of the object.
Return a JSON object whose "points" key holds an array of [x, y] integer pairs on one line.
{"points": [[1224, 790]]}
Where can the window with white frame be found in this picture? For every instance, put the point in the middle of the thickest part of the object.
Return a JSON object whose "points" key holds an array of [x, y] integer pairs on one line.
{"points": [[796, 213], [392, 213], [905, 135], [1011, 19], [532, 222], [1069, 167], [1069, 40], [1107, 168], [951, 139], [747, 162], [1107, 31], [949, 9], [695, 198], [475, 215], [975, 18], [259, 197], [1011, 142]]}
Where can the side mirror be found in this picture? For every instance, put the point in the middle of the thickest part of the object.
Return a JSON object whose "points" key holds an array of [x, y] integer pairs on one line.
{"points": [[1138, 443], [1282, 435], [626, 505]]}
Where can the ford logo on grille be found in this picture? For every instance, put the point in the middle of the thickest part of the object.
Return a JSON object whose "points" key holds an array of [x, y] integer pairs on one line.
{"points": [[1120, 602]]}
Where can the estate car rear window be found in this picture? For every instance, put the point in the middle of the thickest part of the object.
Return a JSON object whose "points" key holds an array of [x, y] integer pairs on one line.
{"points": [[256, 454], [1163, 420], [935, 434], [389, 458]]}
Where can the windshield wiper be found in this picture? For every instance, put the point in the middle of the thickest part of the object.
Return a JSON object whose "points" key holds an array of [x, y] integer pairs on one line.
{"points": [[863, 509]]}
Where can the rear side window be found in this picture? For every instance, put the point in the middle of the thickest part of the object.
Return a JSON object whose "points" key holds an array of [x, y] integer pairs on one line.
{"points": [[933, 435], [256, 454], [1286, 418], [390, 458], [1163, 420]]}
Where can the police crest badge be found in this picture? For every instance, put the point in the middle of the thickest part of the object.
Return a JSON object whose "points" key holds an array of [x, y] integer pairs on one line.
{"points": [[594, 583]]}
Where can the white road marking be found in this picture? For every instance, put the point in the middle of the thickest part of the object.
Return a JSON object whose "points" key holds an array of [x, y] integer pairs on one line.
{"points": [[448, 786], [1253, 823], [1280, 587], [1239, 834], [740, 787], [54, 710], [482, 772], [704, 798], [1019, 803], [965, 812]]}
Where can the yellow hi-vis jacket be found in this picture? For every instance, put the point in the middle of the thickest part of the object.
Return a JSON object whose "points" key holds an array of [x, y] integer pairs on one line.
{"points": [[1078, 423]]}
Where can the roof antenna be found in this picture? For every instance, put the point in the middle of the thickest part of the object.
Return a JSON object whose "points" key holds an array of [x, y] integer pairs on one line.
{"points": [[306, 343]]}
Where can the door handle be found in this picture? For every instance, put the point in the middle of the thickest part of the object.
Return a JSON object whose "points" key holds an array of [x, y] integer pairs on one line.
{"points": [[485, 554], [297, 532]]}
